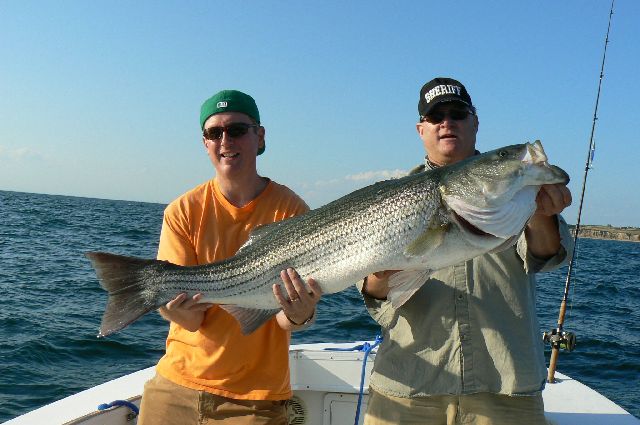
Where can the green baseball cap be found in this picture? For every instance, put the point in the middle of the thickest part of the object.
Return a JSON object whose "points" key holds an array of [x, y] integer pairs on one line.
{"points": [[230, 101]]}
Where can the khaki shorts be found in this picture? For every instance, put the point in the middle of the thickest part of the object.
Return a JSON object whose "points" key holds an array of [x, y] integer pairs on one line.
{"points": [[167, 403], [476, 409]]}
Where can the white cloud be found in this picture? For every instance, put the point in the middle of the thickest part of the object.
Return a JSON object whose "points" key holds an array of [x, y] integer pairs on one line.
{"points": [[376, 175], [362, 178], [19, 154], [320, 192]]}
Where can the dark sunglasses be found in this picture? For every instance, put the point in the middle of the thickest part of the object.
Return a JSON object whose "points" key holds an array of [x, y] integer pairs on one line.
{"points": [[436, 117], [234, 131]]}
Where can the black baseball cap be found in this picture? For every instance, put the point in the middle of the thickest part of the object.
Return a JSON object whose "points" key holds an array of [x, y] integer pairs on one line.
{"points": [[441, 90]]}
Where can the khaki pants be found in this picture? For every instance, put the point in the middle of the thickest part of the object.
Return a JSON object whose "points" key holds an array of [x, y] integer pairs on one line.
{"points": [[166, 403], [476, 409]]}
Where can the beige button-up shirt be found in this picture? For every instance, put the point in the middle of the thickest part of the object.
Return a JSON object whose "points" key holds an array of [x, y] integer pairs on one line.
{"points": [[471, 328]]}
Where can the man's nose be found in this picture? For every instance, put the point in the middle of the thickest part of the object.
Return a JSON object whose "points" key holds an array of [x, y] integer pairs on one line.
{"points": [[447, 120], [225, 139]]}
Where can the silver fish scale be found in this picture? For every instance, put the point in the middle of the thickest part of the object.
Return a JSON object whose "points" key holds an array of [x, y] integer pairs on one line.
{"points": [[336, 244]]}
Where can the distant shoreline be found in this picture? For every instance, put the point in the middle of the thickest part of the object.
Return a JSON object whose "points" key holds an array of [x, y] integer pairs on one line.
{"points": [[629, 234]]}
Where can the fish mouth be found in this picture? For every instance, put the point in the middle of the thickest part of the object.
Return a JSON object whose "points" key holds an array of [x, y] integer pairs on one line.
{"points": [[534, 154]]}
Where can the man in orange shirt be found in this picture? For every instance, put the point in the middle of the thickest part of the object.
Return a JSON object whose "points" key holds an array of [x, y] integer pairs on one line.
{"points": [[211, 372]]}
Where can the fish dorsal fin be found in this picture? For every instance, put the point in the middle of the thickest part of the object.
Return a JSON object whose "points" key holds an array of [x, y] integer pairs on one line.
{"points": [[428, 240], [249, 319], [259, 231], [404, 284], [503, 221]]}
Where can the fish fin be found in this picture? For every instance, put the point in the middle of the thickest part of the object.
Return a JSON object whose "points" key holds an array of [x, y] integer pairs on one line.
{"points": [[428, 240], [417, 169], [130, 294], [404, 284], [262, 230], [249, 319], [256, 233]]}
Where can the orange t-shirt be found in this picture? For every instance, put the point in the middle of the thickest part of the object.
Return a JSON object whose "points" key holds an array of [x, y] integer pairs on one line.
{"points": [[201, 227]]}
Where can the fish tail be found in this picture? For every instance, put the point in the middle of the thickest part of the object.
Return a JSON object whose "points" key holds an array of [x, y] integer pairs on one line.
{"points": [[131, 294]]}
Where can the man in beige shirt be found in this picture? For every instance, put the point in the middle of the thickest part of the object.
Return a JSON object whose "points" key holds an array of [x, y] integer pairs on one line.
{"points": [[466, 348]]}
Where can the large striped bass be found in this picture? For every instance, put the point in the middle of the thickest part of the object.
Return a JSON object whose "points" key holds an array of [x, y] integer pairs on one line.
{"points": [[417, 224]]}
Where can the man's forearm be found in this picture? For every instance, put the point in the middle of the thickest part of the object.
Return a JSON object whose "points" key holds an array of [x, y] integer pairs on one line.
{"points": [[543, 237]]}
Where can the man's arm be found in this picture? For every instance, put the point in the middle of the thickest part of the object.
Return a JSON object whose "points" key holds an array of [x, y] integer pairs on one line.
{"points": [[376, 285]]}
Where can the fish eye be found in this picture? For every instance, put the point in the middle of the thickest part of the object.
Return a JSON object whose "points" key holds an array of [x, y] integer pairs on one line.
{"points": [[502, 154]]}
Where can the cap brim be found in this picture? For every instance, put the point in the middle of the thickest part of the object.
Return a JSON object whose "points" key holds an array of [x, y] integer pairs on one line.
{"points": [[445, 99]]}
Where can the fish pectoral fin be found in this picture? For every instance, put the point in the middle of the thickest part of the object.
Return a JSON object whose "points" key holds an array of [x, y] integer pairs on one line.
{"points": [[249, 319], [404, 284], [428, 240]]}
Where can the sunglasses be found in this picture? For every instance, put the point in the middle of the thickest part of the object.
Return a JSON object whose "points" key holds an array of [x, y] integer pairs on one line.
{"points": [[436, 117], [233, 130]]}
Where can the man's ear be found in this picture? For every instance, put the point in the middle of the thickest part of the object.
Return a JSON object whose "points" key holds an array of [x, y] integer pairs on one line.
{"points": [[261, 134]]}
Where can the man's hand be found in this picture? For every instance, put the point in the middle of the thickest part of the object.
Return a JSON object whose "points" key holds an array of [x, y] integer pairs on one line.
{"points": [[552, 199], [186, 312], [299, 305], [541, 231]]}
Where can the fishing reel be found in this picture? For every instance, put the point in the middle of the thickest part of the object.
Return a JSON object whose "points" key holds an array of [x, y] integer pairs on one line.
{"points": [[560, 340]]}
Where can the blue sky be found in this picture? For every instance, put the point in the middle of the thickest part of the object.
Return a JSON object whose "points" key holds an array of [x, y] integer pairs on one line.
{"points": [[101, 99]]}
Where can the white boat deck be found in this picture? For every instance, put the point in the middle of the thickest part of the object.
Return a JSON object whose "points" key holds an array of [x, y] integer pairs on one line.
{"points": [[326, 385]]}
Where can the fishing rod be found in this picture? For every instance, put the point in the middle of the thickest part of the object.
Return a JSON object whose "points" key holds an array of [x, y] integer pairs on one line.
{"points": [[558, 338]]}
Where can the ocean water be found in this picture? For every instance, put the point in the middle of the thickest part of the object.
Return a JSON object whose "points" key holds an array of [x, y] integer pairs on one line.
{"points": [[51, 304]]}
